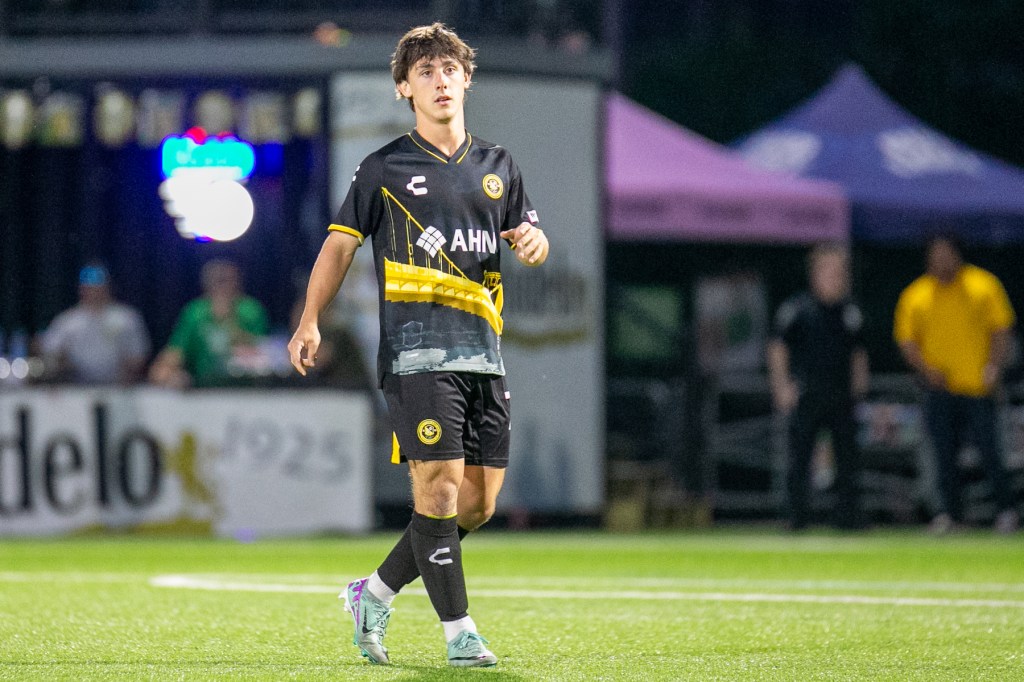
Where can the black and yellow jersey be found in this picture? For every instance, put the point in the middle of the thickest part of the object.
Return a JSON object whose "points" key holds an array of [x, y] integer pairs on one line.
{"points": [[435, 223]]}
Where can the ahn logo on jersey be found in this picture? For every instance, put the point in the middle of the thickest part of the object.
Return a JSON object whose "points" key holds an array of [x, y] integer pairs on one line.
{"points": [[532, 215], [480, 241], [431, 240], [414, 183]]}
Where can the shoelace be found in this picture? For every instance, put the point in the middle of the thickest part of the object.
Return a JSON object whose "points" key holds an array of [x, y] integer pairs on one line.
{"points": [[381, 623], [462, 643]]}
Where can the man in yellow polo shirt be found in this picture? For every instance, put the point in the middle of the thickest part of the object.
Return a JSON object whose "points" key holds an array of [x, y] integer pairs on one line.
{"points": [[953, 327]]}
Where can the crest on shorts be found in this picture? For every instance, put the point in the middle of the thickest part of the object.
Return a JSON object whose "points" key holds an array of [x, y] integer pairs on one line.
{"points": [[493, 186], [429, 432]]}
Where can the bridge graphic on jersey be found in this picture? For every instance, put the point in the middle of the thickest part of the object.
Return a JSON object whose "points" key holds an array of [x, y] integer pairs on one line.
{"points": [[438, 279]]}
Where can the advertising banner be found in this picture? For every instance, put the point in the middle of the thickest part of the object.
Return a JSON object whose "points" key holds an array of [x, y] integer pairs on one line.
{"points": [[232, 463]]}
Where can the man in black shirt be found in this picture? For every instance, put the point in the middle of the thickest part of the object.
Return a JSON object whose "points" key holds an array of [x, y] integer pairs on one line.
{"points": [[437, 203], [818, 368]]}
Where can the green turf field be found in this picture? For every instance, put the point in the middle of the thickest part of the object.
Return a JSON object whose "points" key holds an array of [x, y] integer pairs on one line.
{"points": [[724, 605]]}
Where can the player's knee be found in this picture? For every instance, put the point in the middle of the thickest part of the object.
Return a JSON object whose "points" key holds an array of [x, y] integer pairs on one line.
{"points": [[436, 500], [471, 519]]}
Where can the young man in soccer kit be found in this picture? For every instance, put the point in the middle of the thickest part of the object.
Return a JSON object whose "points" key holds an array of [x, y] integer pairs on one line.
{"points": [[437, 203]]}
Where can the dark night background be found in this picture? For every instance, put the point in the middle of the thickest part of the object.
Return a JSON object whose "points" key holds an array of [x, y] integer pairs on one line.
{"points": [[720, 69]]}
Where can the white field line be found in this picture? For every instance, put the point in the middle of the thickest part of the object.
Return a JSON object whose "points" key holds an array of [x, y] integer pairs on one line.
{"points": [[190, 582], [296, 580]]}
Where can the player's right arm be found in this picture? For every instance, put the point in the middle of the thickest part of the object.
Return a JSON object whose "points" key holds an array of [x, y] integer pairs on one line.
{"points": [[328, 273], [785, 393], [905, 333]]}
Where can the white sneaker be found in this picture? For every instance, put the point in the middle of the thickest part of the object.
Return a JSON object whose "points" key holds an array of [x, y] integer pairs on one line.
{"points": [[469, 650], [1007, 521], [942, 524]]}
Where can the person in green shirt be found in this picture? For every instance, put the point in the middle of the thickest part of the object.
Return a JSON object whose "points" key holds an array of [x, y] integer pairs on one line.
{"points": [[210, 330]]}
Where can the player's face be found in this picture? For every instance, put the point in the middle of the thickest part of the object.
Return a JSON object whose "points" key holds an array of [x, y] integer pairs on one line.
{"points": [[830, 277], [437, 88], [943, 260]]}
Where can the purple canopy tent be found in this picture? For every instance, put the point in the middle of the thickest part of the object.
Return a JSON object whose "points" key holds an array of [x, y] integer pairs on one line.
{"points": [[665, 183], [903, 178]]}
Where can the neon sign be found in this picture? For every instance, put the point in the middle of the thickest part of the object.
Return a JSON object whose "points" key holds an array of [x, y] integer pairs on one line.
{"points": [[203, 189], [226, 155]]}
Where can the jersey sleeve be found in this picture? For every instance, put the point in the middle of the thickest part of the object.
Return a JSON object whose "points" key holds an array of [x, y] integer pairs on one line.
{"points": [[54, 340], [786, 320], [853, 320], [185, 328], [1000, 311], [519, 208], [252, 317], [903, 328], [358, 213], [137, 336]]}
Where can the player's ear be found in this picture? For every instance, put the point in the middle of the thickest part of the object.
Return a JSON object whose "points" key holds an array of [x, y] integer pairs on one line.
{"points": [[404, 89]]}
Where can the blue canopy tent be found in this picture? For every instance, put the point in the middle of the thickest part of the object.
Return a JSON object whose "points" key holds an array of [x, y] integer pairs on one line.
{"points": [[903, 178]]}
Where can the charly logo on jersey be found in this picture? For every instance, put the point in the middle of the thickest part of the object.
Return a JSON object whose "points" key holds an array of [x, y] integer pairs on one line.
{"points": [[493, 186], [429, 432], [414, 183]]}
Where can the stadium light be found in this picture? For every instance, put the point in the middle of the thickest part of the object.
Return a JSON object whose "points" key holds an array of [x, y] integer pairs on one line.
{"points": [[202, 190]]}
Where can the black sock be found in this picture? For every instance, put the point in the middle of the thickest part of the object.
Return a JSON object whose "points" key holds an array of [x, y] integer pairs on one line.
{"points": [[438, 553], [399, 567]]}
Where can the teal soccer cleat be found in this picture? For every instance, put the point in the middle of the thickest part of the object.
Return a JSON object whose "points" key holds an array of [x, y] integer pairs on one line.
{"points": [[371, 620], [468, 650]]}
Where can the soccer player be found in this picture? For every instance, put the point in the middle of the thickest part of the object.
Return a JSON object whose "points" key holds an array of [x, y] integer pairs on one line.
{"points": [[437, 202]]}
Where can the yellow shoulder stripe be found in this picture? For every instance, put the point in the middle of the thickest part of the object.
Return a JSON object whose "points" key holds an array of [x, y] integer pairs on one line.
{"points": [[347, 230]]}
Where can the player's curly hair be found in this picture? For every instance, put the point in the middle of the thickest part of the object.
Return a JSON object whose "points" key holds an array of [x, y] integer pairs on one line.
{"points": [[429, 42]]}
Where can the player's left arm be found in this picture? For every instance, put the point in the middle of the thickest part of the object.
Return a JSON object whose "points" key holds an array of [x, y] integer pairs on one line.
{"points": [[529, 243], [1001, 320], [527, 239]]}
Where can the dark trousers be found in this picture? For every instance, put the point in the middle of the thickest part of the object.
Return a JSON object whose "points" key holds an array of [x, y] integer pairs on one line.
{"points": [[953, 420], [814, 412]]}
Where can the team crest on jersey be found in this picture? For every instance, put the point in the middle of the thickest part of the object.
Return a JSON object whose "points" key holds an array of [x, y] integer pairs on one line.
{"points": [[493, 186], [429, 432]]}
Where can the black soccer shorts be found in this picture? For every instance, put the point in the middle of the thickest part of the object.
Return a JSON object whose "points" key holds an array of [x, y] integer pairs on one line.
{"points": [[449, 415]]}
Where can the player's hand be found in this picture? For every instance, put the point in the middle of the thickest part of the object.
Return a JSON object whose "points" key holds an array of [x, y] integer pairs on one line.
{"points": [[990, 375], [934, 379], [303, 346], [529, 242], [786, 396]]}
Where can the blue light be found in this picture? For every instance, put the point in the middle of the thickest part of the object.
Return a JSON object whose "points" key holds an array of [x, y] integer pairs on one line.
{"points": [[195, 150]]}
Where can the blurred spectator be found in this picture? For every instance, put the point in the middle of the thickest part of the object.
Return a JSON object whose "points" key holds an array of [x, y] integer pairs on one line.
{"points": [[818, 369], [211, 332], [98, 341], [953, 326], [340, 360], [556, 23]]}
